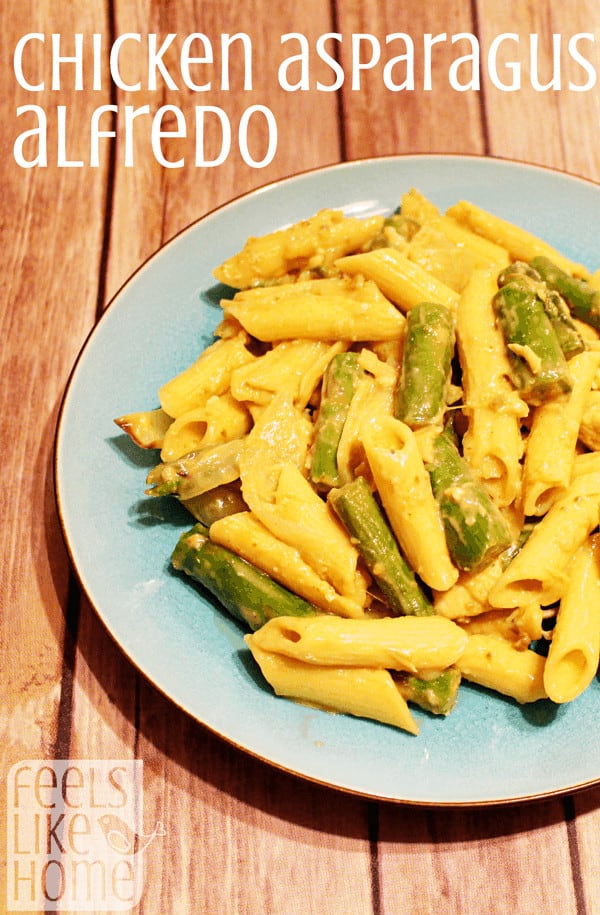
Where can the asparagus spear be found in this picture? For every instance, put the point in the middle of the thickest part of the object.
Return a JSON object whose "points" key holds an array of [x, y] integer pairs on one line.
{"points": [[570, 340], [436, 693], [517, 270], [197, 472], [246, 592], [428, 349], [216, 503], [539, 367], [339, 384], [581, 296], [357, 509], [476, 531]]}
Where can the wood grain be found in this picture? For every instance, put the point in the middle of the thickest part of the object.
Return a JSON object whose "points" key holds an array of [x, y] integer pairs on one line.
{"points": [[544, 127], [49, 291], [379, 121]]}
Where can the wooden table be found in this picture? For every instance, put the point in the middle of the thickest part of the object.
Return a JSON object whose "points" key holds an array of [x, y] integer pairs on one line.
{"points": [[240, 836]]}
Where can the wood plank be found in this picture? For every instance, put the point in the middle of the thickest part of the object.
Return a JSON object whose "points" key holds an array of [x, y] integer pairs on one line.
{"points": [[51, 251], [152, 203], [247, 837], [530, 124], [584, 828], [477, 861], [381, 121], [582, 151]]}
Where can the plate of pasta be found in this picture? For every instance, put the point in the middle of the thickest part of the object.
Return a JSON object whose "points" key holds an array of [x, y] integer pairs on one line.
{"points": [[345, 494]]}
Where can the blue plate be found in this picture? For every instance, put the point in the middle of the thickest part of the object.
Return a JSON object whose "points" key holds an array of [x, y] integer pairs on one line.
{"points": [[489, 750]]}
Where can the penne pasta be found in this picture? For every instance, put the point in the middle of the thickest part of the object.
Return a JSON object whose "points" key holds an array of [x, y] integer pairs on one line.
{"points": [[469, 596], [575, 647], [311, 243], [495, 663], [280, 435], [406, 643], [405, 490], [316, 310], [246, 536], [400, 279], [540, 571], [589, 427], [547, 472], [484, 253], [520, 627], [319, 538], [374, 395], [146, 428], [588, 462], [220, 419], [492, 442], [363, 692], [521, 244], [295, 366], [208, 376]]}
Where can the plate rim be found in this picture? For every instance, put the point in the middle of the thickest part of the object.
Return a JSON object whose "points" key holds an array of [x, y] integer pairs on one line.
{"points": [[58, 432]]}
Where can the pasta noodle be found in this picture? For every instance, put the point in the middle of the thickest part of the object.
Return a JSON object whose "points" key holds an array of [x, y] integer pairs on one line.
{"points": [[520, 244], [575, 646], [469, 596], [365, 692], [493, 662], [312, 242], [492, 442], [296, 366], [401, 643], [547, 473], [220, 419], [303, 311], [405, 491], [483, 252], [208, 376], [541, 569], [400, 279], [374, 394], [247, 537], [146, 428]]}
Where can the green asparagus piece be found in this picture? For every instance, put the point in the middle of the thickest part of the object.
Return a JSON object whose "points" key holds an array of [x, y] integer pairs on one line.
{"points": [[518, 270], [476, 531], [428, 349], [246, 592], [216, 503], [540, 369], [339, 385], [197, 472], [583, 298], [436, 692], [357, 509], [570, 340]]}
